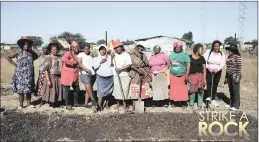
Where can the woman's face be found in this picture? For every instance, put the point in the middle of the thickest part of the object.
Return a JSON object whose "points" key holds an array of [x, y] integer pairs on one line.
{"points": [[103, 52], [200, 51], [75, 47], [26, 46], [87, 50], [44, 50], [157, 50], [140, 49], [178, 48], [230, 52], [118, 50], [54, 50], [216, 47]]}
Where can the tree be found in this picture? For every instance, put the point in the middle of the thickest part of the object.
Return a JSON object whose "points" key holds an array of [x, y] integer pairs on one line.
{"points": [[231, 40], [37, 41], [101, 41], [188, 37], [254, 42], [69, 38], [128, 42]]}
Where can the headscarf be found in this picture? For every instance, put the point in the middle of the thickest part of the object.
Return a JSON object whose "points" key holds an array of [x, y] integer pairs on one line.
{"points": [[44, 45], [156, 46], [178, 44]]}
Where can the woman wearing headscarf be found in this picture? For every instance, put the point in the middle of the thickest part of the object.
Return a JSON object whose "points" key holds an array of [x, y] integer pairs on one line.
{"points": [[51, 89], [104, 76], [140, 71], [159, 64], [215, 61], [233, 76], [23, 78], [179, 74], [197, 77], [41, 76]]}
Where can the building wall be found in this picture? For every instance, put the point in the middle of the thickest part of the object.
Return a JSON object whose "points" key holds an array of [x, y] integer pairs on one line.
{"points": [[166, 43]]}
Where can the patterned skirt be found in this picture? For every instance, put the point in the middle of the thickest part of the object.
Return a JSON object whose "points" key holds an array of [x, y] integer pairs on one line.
{"points": [[39, 84], [146, 91], [104, 86], [54, 93]]}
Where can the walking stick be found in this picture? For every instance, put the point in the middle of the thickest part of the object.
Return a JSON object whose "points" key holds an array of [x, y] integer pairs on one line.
{"points": [[122, 92]]}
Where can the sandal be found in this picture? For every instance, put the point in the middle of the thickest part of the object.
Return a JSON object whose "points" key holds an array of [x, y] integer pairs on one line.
{"points": [[69, 108]]}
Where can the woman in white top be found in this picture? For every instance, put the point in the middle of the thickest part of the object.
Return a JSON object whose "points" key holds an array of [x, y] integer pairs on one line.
{"points": [[215, 61], [88, 62], [104, 76]]}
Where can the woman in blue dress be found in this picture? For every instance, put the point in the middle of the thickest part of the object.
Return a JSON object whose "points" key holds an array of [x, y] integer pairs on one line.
{"points": [[23, 79]]}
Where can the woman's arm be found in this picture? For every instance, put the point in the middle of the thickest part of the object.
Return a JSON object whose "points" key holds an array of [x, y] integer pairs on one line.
{"points": [[11, 56], [35, 56], [81, 65], [66, 59], [167, 60]]}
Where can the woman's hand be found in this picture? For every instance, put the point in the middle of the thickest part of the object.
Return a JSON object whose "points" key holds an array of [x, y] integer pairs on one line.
{"points": [[186, 78], [49, 84], [103, 60]]}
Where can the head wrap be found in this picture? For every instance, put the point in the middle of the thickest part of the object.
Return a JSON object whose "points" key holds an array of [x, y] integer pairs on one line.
{"points": [[44, 45], [178, 44]]}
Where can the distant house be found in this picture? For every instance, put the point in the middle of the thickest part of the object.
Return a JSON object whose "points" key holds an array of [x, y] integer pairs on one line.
{"points": [[165, 42]]}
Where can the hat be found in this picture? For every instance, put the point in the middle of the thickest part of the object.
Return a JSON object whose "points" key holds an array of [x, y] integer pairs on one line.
{"points": [[232, 46], [23, 40], [53, 44], [44, 45], [116, 43], [139, 45], [102, 45], [178, 43]]}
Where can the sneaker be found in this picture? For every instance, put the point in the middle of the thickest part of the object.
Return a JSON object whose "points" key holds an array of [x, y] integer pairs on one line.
{"points": [[227, 106], [233, 109], [214, 103], [208, 99]]}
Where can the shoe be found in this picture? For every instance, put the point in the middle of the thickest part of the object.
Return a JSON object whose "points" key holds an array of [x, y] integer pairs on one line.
{"points": [[69, 108], [228, 106], [214, 103], [208, 99], [233, 109], [19, 107]]}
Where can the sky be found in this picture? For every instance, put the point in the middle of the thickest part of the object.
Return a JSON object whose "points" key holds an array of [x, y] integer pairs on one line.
{"points": [[126, 20]]}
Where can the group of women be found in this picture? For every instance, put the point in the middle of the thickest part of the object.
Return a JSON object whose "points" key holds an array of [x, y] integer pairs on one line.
{"points": [[125, 75]]}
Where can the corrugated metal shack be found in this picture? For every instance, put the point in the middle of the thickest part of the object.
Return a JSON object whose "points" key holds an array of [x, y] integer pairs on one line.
{"points": [[165, 42]]}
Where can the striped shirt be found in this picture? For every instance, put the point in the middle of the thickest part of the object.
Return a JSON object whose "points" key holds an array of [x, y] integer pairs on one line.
{"points": [[234, 64]]}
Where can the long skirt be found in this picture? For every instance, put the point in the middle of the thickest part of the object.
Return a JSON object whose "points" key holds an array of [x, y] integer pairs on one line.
{"points": [[125, 82], [54, 93], [146, 91], [104, 85], [160, 87], [178, 88], [39, 84]]}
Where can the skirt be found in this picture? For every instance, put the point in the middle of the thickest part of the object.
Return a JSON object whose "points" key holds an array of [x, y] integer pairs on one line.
{"points": [[125, 82], [39, 84], [53, 94], [145, 91], [160, 87], [178, 88], [104, 86]]}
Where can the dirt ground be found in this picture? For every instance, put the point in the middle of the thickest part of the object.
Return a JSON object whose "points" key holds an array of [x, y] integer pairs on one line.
{"points": [[158, 123]]}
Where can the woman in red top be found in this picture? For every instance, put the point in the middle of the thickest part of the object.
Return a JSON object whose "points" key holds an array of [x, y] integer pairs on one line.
{"points": [[69, 75]]}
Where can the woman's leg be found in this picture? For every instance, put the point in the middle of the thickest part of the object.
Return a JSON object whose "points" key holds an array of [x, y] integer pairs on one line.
{"points": [[66, 90], [192, 98], [200, 98], [28, 99], [100, 100], [236, 97], [21, 99], [231, 90]]}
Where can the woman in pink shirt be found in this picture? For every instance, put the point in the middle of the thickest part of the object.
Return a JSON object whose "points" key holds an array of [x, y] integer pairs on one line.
{"points": [[215, 61], [159, 64], [70, 75]]}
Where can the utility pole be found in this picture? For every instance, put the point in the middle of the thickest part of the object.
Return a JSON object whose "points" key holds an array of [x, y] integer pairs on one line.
{"points": [[106, 38], [241, 23]]}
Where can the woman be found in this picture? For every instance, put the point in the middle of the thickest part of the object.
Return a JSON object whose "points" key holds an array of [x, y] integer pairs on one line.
{"points": [[140, 73], [51, 88], [23, 78], [104, 76], [215, 61], [122, 64], [179, 75], [70, 75], [41, 73], [159, 64], [197, 77], [87, 74], [233, 76]]}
